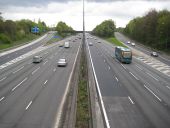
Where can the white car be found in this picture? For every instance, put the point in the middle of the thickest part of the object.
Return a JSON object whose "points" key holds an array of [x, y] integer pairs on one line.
{"points": [[154, 54], [133, 44], [90, 44], [62, 62], [128, 42], [37, 59]]}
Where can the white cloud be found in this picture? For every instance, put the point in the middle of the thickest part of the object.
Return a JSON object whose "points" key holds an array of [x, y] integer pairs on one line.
{"points": [[71, 12]]}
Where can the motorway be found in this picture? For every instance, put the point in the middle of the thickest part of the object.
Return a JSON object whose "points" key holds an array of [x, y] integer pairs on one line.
{"points": [[134, 95], [14, 54], [31, 95]]}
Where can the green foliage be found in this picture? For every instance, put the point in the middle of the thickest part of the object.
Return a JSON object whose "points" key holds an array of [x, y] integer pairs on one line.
{"points": [[115, 42], [62, 28], [4, 39], [153, 29], [105, 29]]}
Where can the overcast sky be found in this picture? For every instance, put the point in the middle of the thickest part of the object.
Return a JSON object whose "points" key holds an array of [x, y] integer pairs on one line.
{"points": [[70, 11]]}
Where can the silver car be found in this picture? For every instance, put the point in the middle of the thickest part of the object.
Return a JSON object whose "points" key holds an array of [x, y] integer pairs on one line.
{"points": [[62, 62], [37, 59]]}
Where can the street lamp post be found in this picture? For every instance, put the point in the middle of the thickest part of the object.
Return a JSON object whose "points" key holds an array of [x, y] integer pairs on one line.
{"points": [[83, 24]]}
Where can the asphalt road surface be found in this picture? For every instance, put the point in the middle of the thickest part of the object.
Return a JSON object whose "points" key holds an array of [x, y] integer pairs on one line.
{"points": [[31, 94], [134, 95], [15, 54]]}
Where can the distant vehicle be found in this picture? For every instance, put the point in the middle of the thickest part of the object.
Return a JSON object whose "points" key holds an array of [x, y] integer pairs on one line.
{"points": [[123, 54], [98, 41], [155, 54], [133, 44], [66, 44], [128, 42], [37, 59], [90, 44], [62, 62], [60, 45]]}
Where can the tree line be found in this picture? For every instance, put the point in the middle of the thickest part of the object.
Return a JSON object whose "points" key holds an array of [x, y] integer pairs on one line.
{"points": [[11, 31], [152, 29]]}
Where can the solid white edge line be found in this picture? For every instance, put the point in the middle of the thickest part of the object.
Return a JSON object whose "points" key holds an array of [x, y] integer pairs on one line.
{"points": [[152, 92], [2, 99], [123, 66], [19, 84], [133, 75], [35, 70], [18, 70], [56, 125], [3, 79], [98, 89], [131, 100], [28, 105]]}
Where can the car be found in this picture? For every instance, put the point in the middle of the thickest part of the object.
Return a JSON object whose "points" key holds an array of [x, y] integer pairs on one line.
{"points": [[90, 44], [37, 59], [128, 42], [155, 54], [98, 41], [133, 44], [62, 62]]}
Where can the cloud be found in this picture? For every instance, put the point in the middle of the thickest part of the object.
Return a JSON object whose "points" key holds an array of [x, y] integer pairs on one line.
{"points": [[121, 11], [38, 3]]}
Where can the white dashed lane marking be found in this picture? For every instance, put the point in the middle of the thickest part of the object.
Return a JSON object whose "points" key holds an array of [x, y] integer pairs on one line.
{"points": [[2, 99], [19, 84], [28, 105], [18, 69]]}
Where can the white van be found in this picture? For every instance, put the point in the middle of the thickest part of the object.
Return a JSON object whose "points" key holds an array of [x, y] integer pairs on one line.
{"points": [[66, 44]]}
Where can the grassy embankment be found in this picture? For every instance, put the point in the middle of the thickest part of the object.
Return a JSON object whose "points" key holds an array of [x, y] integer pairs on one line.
{"points": [[116, 42], [54, 40], [19, 42]]}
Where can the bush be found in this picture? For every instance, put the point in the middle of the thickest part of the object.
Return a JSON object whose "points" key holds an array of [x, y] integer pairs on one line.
{"points": [[4, 39]]}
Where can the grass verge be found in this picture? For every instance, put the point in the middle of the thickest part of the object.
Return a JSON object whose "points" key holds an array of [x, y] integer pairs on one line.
{"points": [[115, 41], [54, 40], [83, 104], [28, 38]]}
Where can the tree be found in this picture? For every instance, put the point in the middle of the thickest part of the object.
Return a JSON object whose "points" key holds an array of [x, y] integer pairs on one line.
{"points": [[105, 29], [62, 28]]}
